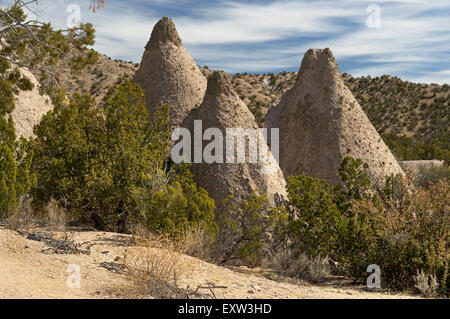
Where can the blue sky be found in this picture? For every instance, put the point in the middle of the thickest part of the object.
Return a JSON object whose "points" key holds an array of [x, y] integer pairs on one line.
{"points": [[412, 41]]}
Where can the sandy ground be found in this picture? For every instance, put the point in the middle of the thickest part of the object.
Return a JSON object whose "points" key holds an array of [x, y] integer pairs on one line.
{"points": [[27, 272], [30, 270]]}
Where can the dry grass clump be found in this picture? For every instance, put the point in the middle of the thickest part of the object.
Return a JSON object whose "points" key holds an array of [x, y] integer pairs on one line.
{"points": [[155, 263], [54, 217], [426, 284], [315, 269], [23, 217], [199, 244], [318, 269]]}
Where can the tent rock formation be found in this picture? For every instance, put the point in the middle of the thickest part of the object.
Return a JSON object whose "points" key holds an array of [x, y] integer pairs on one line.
{"points": [[222, 108], [169, 75], [321, 122]]}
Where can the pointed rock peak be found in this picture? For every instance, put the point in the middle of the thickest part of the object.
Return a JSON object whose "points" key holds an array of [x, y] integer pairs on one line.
{"points": [[169, 75], [322, 113], [219, 82], [163, 32], [319, 60], [319, 55]]}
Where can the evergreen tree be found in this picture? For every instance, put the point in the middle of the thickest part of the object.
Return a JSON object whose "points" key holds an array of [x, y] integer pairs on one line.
{"points": [[107, 165], [37, 46]]}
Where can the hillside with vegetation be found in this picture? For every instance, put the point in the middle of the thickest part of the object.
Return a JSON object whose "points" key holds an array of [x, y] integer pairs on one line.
{"points": [[412, 118]]}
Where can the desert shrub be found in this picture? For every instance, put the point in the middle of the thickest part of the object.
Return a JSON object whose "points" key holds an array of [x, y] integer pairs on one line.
{"points": [[426, 284], [326, 224], [247, 228], [409, 233], [154, 264], [23, 217], [318, 269], [403, 230], [56, 217], [286, 263], [107, 166], [430, 175], [15, 177], [355, 181], [313, 231], [179, 206], [199, 243]]}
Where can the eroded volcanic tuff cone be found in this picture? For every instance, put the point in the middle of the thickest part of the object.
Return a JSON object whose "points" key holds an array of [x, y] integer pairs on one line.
{"points": [[321, 122], [169, 75], [30, 107], [223, 109]]}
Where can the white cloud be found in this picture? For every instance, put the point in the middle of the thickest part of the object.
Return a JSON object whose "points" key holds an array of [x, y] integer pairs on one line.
{"points": [[238, 22], [439, 77], [408, 42]]}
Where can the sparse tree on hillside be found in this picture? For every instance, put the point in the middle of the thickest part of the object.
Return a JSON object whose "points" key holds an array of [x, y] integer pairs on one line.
{"points": [[37, 46]]}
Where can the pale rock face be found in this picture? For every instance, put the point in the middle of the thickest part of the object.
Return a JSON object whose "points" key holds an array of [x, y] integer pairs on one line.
{"points": [[222, 108], [321, 122], [30, 108], [169, 75]]}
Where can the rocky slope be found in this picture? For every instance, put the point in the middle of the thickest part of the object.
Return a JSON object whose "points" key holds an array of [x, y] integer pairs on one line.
{"points": [[30, 107], [96, 79]]}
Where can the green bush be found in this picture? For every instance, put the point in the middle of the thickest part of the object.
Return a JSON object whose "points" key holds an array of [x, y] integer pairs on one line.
{"points": [[38, 46], [15, 161], [402, 230], [325, 224], [179, 206], [107, 167], [410, 233], [314, 230], [430, 175], [247, 228]]}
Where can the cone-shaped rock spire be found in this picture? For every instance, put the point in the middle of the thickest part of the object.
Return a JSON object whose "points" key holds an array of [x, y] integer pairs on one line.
{"points": [[223, 109], [169, 75], [321, 122], [164, 32]]}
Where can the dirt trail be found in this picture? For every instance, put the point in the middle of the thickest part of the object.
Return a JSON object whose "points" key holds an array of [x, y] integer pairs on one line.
{"points": [[28, 270]]}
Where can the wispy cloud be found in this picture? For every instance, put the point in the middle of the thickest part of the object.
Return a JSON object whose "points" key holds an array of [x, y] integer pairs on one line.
{"points": [[413, 40]]}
